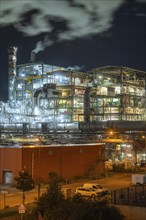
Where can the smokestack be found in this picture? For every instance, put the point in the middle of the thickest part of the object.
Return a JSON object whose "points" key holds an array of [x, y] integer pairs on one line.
{"points": [[33, 56], [12, 58]]}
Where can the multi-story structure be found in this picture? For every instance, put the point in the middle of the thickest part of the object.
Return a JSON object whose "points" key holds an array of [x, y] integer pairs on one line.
{"points": [[52, 98], [63, 105]]}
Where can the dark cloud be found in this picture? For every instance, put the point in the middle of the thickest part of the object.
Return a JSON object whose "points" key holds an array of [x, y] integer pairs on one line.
{"points": [[78, 15]]}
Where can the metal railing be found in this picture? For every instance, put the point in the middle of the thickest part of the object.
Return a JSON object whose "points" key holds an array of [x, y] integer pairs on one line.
{"points": [[132, 196]]}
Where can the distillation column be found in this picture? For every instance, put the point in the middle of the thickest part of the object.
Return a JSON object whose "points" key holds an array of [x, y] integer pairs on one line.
{"points": [[12, 58]]}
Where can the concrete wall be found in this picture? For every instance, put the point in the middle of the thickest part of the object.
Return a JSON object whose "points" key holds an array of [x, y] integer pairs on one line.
{"points": [[10, 163], [132, 212], [67, 161]]}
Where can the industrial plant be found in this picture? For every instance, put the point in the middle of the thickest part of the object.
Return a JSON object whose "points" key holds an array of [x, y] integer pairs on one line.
{"points": [[53, 105]]}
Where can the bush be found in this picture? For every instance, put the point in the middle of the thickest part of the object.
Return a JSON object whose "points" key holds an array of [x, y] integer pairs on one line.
{"points": [[52, 205], [118, 168]]}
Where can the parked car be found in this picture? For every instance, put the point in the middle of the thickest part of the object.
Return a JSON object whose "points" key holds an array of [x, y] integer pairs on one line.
{"points": [[87, 192], [138, 179], [97, 187]]}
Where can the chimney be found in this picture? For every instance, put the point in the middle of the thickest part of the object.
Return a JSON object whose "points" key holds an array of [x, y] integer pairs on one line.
{"points": [[33, 55]]}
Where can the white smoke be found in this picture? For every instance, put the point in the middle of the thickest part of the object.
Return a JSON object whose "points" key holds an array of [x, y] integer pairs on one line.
{"points": [[77, 68], [83, 17], [41, 45]]}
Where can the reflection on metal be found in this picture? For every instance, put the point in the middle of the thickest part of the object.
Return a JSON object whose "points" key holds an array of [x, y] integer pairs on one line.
{"points": [[115, 125], [51, 100]]}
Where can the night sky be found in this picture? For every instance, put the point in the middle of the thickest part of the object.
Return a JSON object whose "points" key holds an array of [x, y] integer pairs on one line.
{"points": [[84, 34]]}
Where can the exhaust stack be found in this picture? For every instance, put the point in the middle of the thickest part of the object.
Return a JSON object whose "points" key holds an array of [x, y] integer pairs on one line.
{"points": [[33, 56]]}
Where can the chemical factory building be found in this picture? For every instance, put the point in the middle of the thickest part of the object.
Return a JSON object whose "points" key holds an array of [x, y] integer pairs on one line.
{"points": [[50, 99], [52, 106]]}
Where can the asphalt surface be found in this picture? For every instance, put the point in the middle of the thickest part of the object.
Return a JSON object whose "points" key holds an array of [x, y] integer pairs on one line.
{"points": [[10, 196]]}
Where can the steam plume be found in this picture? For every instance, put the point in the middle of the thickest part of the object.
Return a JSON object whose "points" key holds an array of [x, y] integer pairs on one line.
{"points": [[83, 18]]}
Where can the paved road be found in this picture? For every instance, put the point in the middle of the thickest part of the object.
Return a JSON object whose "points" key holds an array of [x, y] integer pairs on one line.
{"points": [[15, 199], [112, 183], [14, 196]]}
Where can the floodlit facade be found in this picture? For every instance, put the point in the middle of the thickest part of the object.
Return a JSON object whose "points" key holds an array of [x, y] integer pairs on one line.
{"points": [[48, 98], [119, 94], [51, 105]]}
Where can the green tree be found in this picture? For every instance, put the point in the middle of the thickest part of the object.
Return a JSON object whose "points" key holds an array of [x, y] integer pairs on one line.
{"points": [[54, 177], [24, 182], [53, 197]]}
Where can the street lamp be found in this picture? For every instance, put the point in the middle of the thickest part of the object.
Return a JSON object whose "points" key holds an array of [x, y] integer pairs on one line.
{"points": [[144, 138]]}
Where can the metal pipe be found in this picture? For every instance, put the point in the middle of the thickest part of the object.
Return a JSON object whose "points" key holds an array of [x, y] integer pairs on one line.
{"points": [[116, 125]]}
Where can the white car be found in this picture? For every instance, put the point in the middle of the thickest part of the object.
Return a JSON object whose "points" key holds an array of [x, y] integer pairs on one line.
{"points": [[138, 179], [96, 186], [87, 192]]}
